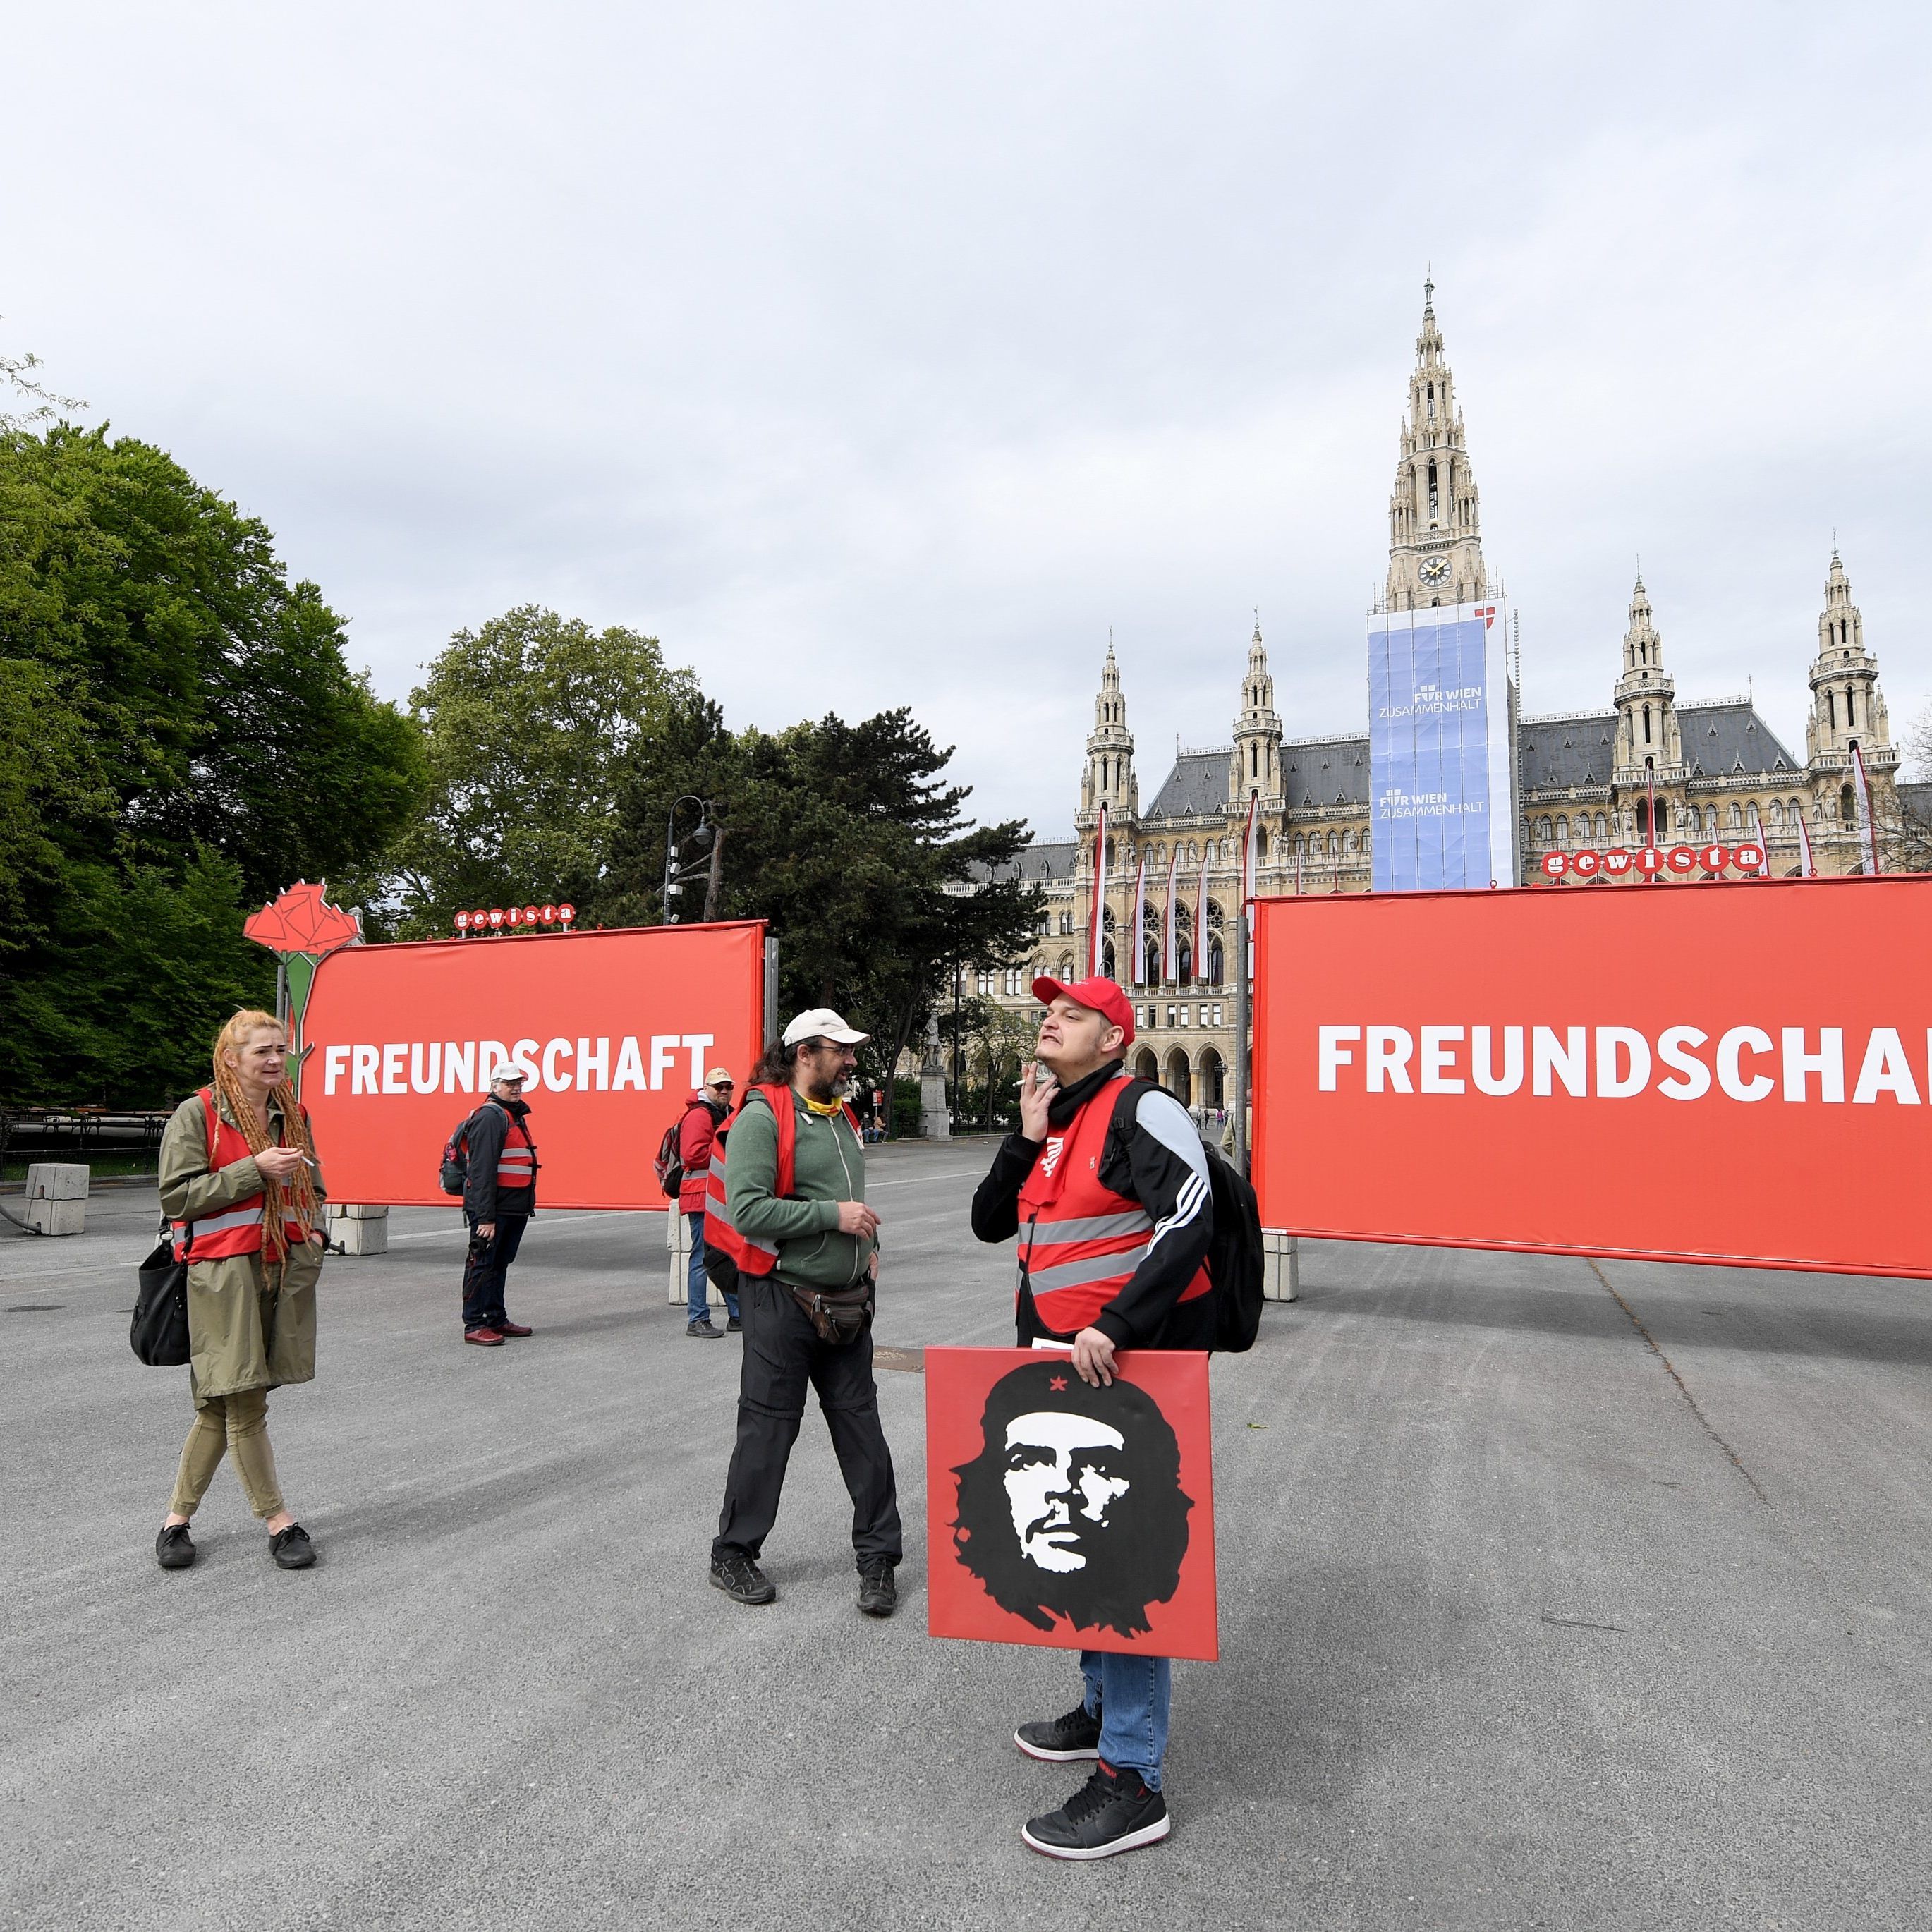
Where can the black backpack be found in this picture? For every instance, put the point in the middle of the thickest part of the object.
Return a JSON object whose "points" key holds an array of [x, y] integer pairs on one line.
{"points": [[1236, 1264], [455, 1174]]}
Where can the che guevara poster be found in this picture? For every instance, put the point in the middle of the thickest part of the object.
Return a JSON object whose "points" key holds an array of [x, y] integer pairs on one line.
{"points": [[1059, 1513]]}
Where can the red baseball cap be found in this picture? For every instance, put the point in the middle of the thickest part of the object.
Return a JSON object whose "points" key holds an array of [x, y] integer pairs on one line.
{"points": [[1102, 995]]}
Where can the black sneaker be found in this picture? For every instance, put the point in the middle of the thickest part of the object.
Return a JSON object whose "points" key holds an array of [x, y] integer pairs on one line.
{"points": [[1061, 1740], [291, 1548], [1113, 1811], [705, 1329], [741, 1579], [173, 1549], [734, 1326], [878, 1590]]}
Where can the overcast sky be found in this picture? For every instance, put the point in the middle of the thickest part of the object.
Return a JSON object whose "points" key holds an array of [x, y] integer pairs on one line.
{"points": [[888, 355]]}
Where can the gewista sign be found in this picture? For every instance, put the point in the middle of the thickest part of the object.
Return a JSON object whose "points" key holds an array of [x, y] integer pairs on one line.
{"points": [[1725, 1071]]}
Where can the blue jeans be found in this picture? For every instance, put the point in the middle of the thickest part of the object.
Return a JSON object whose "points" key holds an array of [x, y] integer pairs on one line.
{"points": [[1131, 1694], [695, 1283]]}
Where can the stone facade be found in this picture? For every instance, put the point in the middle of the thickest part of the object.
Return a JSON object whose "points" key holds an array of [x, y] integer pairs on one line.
{"points": [[1712, 770]]}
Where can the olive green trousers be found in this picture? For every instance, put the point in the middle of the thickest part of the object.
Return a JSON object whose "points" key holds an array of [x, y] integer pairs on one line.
{"points": [[235, 1425]]}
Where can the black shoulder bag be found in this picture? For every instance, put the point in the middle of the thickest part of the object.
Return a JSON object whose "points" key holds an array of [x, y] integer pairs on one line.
{"points": [[158, 1334]]}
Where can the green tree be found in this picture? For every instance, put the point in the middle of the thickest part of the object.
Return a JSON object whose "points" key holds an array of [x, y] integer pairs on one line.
{"points": [[527, 722], [846, 839], [180, 735]]}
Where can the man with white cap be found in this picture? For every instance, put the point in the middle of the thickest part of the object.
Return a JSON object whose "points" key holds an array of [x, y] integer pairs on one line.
{"points": [[499, 1196], [790, 1210]]}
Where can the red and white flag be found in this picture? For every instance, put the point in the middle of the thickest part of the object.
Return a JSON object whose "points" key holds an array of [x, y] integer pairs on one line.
{"points": [[1248, 881], [1805, 866], [1868, 823], [1097, 913], [1139, 927], [1170, 936], [1201, 923], [1763, 844]]}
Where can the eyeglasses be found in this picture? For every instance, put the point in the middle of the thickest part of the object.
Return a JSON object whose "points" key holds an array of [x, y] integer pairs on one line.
{"points": [[721, 1086]]}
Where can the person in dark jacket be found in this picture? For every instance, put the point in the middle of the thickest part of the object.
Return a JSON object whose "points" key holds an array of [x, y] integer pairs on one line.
{"points": [[696, 1133], [499, 1196], [1106, 1185]]}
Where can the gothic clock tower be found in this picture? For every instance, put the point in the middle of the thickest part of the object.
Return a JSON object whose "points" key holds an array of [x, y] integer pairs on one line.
{"points": [[1435, 542]]}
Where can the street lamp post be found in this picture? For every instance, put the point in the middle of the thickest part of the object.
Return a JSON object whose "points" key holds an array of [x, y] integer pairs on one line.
{"points": [[701, 835]]}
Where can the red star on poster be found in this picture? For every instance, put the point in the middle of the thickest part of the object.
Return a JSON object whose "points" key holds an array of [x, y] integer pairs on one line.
{"points": [[1058, 1383]]}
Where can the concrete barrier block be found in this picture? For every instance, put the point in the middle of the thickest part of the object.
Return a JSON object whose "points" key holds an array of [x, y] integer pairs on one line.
{"points": [[357, 1211], [1281, 1265], [57, 1180], [360, 1236], [57, 1216], [677, 1239]]}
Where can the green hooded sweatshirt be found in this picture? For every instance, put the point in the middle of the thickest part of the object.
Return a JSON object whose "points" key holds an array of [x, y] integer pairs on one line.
{"points": [[828, 1166]]}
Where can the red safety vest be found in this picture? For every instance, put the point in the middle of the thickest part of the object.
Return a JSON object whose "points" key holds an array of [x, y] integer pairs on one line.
{"points": [[748, 1254], [1080, 1243], [236, 1230], [517, 1163]]}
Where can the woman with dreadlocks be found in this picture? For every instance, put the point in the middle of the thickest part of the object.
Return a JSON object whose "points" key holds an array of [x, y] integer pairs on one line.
{"points": [[240, 1182]]}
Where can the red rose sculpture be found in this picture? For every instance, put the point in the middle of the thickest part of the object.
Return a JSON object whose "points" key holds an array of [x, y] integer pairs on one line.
{"points": [[302, 921]]}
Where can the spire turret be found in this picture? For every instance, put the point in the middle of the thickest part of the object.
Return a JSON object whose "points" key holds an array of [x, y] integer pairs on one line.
{"points": [[1110, 751], [1650, 745], [1847, 704], [1256, 764], [1435, 548]]}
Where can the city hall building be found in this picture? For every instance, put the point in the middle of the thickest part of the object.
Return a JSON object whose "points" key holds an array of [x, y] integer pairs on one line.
{"points": [[1712, 771]]}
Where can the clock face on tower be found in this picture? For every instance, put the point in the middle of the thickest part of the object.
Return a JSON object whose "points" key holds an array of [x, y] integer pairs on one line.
{"points": [[1434, 570]]}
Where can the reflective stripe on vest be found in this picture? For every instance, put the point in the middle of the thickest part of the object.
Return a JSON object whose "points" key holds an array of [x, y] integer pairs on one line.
{"points": [[1079, 1241], [236, 1230], [748, 1254], [517, 1164]]}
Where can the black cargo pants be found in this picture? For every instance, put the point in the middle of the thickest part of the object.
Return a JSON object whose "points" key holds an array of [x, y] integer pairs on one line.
{"points": [[783, 1355]]}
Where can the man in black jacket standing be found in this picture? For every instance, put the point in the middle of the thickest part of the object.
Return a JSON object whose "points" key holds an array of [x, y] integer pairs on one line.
{"points": [[499, 1196], [1106, 1185]]}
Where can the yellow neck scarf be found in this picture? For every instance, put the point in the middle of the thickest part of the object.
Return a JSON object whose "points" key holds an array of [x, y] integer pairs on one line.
{"points": [[824, 1109]]}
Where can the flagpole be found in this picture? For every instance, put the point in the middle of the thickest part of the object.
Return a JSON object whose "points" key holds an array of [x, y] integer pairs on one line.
{"points": [[1865, 806], [1097, 938], [1170, 936], [1140, 919], [1201, 921]]}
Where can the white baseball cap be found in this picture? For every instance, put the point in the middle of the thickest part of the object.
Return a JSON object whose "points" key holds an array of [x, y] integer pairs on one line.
{"points": [[506, 1069], [822, 1023]]}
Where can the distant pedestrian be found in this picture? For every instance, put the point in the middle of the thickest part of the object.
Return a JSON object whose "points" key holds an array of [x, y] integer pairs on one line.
{"points": [[1106, 1184], [499, 1196], [704, 1116], [239, 1181], [794, 1220]]}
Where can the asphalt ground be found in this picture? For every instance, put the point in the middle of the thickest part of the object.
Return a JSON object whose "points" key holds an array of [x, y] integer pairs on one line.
{"points": [[1552, 1595]]}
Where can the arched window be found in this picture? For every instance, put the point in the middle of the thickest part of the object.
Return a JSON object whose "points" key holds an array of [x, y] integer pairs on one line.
{"points": [[1646, 724], [1300, 847], [1066, 967], [1603, 827], [1214, 959], [1778, 814], [1150, 964], [1831, 709], [1347, 841], [1107, 959], [1184, 958], [1851, 715], [1542, 831], [1848, 806], [1710, 821], [1737, 817], [1562, 830], [1065, 924]]}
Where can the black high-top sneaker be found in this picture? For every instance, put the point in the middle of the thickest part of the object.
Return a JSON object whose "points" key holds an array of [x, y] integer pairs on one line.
{"points": [[1113, 1811], [1061, 1740]]}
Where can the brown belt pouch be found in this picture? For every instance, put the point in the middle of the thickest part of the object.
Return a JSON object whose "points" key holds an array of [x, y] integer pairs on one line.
{"points": [[839, 1314]]}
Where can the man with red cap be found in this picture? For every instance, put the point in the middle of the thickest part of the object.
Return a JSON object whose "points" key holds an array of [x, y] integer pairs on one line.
{"points": [[1106, 1186]]}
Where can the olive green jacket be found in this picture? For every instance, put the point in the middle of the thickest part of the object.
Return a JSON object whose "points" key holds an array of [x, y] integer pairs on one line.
{"points": [[250, 1321], [828, 1166]]}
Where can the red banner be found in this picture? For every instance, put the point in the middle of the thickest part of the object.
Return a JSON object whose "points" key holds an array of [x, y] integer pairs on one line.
{"points": [[1736, 1072], [613, 1031], [1060, 1514]]}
